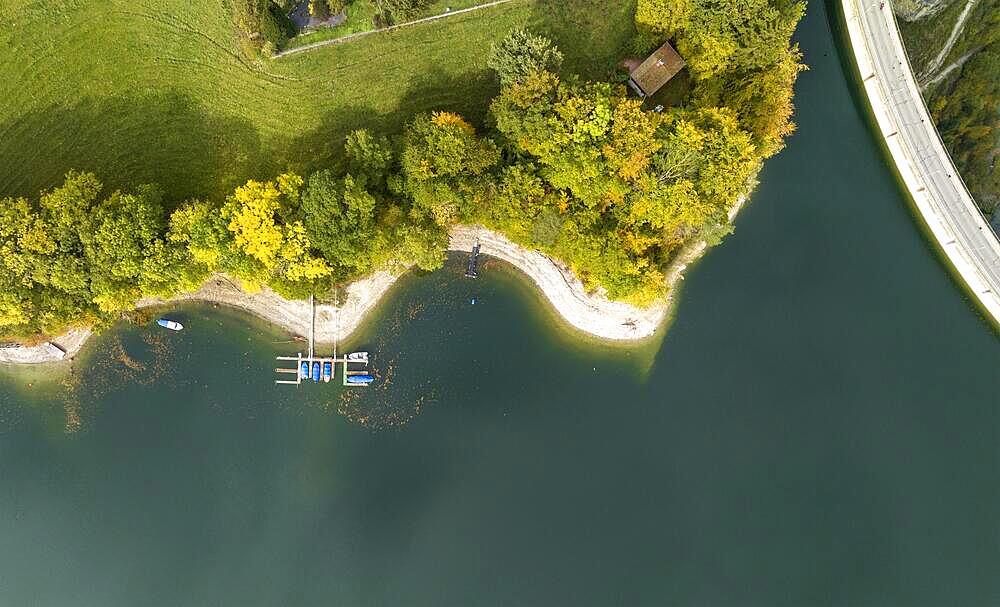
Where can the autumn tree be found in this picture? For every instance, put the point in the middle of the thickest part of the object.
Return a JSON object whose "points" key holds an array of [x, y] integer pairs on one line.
{"points": [[763, 101], [715, 36], [590, 138], [272, 241], [446, 166], [319, 9], [75, 257]]}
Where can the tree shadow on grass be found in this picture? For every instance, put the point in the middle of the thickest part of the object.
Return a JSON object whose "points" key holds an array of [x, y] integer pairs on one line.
{"points": [[593, 35], [468, 94], [189, 151], [165, 139], [322, 147]]}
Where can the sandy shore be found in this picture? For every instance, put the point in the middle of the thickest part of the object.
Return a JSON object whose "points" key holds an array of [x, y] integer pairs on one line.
{"points": [[592, 313]]}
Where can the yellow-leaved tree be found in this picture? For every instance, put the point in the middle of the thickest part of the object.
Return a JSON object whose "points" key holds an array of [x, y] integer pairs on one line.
{"points": [[261, 217]]}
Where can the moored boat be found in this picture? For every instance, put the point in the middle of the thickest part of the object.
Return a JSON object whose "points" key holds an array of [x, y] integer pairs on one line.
{"points": [[315, 374], [360, 379], [173, 325], [327, 371], [304, 371], [361, 357]]}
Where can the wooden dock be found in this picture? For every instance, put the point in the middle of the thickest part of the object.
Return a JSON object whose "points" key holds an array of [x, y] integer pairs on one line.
{"points": [[335, 363], [312, 359], [309, 361], [473, 270]]}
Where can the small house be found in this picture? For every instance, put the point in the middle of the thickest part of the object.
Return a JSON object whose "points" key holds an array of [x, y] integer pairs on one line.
{"points": [[656, 71]]}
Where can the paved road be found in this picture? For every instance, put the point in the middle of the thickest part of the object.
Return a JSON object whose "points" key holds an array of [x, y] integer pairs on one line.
{"points": [[965, 228]]}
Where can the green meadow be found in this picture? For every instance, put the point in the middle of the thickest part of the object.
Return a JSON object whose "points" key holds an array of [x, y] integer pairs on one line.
{"points": [[158, 90]]}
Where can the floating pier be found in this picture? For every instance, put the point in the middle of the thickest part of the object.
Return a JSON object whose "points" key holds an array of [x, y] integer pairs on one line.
{"points": [[324, 368], [355, 376], [473, 270]]}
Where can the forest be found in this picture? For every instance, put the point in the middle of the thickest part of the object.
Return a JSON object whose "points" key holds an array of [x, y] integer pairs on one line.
{"points": [[578, 169]]}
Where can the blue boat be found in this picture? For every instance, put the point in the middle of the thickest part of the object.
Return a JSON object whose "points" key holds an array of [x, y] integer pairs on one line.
{"points": [[327, 371], [304, 371], [360, 379], [173, 325], [315, 371]]}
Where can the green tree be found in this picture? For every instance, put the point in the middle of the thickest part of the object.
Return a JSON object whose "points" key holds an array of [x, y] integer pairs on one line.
{"points": [[967, 116], [370, 157], [119, 240], [397, 11], [340, 218], [521, 54]]}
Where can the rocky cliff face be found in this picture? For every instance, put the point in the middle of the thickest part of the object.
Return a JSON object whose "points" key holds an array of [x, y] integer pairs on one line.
{"points": [[911, 10]]}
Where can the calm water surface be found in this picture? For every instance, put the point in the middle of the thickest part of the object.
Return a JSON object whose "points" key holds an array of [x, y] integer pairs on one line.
{"points": [[819, 427]]}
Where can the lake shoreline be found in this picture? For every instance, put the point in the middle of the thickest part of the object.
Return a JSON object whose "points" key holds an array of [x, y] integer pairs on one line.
{"points": [[591, 313]]}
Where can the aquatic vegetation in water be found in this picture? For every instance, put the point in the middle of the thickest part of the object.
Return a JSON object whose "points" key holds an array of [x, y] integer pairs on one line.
{"points": [[385, 403], [122, 362]]}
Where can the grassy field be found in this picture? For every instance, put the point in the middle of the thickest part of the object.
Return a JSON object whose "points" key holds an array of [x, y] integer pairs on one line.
{"points": [[157, 91]]}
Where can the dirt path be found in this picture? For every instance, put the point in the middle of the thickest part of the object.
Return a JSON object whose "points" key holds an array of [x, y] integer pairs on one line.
{"points": [[941, 75], [352, 37], [933, 66]]}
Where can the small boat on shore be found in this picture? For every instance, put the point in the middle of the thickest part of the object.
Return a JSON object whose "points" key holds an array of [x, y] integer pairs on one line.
{"points": [[173, 325], [327, 371], [363, 380]]}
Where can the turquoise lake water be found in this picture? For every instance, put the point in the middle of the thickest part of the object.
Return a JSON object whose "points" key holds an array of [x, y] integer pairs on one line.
{"points": [[818, 427]]}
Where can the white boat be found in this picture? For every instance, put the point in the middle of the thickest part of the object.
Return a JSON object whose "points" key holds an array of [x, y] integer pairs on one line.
{"points": [[173, 325], [360, 357]]}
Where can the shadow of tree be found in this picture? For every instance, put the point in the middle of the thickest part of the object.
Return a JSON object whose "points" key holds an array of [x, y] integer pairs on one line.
{"points": [[593, 35], [442, 91], [191, 151], [166, 139], [322, 147]]}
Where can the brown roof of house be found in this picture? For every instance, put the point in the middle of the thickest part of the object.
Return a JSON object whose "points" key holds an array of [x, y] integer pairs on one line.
{"points": [[658, 69]]}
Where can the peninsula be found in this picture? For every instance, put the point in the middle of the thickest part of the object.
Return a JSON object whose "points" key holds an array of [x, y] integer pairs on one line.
{"points": [[600, 194]]}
